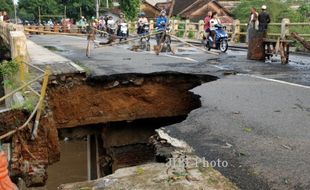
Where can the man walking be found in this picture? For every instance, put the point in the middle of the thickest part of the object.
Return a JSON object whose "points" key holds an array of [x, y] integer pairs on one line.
{"points": [[263, 19]]}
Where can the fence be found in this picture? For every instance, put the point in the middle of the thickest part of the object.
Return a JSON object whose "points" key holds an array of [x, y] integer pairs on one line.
{"points": [[14, 37], [191, 30], [39, 106]]}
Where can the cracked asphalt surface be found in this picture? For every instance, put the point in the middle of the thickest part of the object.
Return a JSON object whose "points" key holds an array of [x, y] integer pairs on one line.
{"points": [[257, 120]]}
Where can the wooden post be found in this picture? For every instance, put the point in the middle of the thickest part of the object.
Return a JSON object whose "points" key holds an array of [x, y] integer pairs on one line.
{"points": [[185, 35], [201, 29], [175, 27], [236, 31], [285, 28], [151, 25], [256, 47], [56, 28]]}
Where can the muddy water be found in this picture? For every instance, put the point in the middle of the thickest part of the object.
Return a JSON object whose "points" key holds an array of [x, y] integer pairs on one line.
{"points": [[72, 166]]}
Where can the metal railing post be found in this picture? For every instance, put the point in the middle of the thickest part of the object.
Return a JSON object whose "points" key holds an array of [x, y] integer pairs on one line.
{"points": [[40, 108]]}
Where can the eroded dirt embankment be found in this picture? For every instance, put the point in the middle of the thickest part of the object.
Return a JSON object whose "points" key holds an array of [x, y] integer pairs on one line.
{"points": [[77, 102], [74, 101]]}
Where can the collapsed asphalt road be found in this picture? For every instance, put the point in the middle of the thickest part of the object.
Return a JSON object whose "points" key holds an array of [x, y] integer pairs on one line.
{"points": [[260, 126]]}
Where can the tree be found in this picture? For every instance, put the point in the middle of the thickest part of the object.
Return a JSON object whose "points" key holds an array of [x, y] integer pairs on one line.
{"points": [[77, 7], [7, 5], [29, 9], [304, 9], [276, 8], [130, 8]]}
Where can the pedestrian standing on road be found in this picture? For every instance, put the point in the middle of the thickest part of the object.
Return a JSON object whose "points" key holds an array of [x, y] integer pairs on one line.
{"points": [[263, 19], [252, 23], [207, 25], [91, 37]]}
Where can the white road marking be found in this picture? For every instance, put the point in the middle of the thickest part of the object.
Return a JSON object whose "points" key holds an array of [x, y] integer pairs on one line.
{"points": [[275, 80], [249, 75], [178, 57]]}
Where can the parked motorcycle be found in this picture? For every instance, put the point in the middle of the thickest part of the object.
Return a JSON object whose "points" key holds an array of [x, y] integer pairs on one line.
{"points": [[221, 39]]}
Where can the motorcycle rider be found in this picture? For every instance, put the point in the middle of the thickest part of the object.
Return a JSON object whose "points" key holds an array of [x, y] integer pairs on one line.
{"points": [[141, 21], [119, 22], [110, 25], [213, 23], [161, 25], [207, 25]]}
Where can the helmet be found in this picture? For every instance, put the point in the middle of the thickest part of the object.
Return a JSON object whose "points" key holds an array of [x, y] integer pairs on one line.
{"points": [[264, 7], [142, 14], [120, 14], [163, 12]]}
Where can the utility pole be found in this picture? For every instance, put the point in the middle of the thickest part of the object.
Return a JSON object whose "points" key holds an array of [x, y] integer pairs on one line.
{"points": [[65, 12], [39, 15], [15, 12], [97, 8]]}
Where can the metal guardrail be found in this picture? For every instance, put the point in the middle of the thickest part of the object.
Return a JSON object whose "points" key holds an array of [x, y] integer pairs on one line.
{"points": [[39, 106]]}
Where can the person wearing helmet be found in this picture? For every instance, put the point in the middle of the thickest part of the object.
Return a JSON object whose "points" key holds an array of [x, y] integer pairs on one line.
{"points": [[141, 21], [161, 21], [263, 19], [161, 24], [119, 22]]}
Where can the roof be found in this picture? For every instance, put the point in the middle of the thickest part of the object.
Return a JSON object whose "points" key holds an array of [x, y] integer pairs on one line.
{"points": [[180, 5], [154, 2], [195, 6], [199, 9]]}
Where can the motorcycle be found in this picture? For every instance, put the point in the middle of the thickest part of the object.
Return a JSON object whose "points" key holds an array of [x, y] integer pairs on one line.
{"points": [[111, 27], [221, 39], [145, 38], [166, 39], [123, 31]]}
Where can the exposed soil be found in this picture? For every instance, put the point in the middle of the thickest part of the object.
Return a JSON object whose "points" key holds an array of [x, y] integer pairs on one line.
{"points": [[12, 119], [122, 98]]}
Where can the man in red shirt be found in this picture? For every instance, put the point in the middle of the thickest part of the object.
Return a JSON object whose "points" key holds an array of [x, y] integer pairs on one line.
{"points": [[207, 24]]}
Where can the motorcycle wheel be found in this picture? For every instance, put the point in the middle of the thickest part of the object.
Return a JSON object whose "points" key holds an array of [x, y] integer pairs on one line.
{"points": [[148, 47], [223, 46], [168, 42]]}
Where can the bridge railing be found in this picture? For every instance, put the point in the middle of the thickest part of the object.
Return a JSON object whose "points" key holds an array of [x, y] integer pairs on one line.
{"points": [[195, 30], [27, 84], [15, 39]]}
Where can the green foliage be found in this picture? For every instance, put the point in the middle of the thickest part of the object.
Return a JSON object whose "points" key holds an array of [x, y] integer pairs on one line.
{"points": [[130, 8], [304, 9], [9, 68], [191, 34], [28, 104], [7, 5], [181, 30], [276, 8], [29, 9]]}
